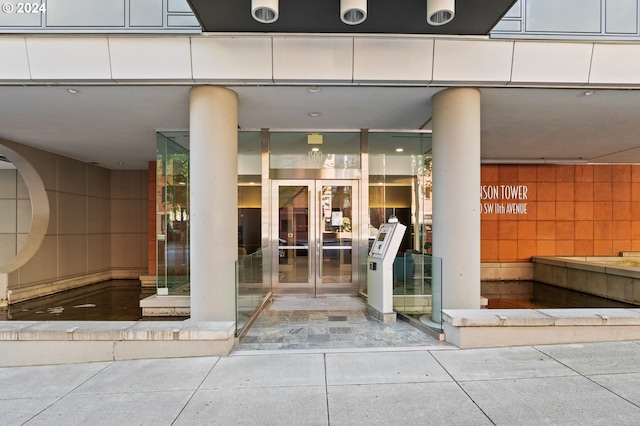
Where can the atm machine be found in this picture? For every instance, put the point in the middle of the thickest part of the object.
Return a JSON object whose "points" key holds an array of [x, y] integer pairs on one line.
{"points": [[380, 271]]}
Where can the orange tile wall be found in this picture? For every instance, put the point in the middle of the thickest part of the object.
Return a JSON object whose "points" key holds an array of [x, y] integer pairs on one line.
{"points": [[572, 210]]}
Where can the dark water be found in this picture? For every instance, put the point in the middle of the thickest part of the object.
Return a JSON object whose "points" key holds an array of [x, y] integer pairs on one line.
{"points": [[114, 300], [536, 295]]}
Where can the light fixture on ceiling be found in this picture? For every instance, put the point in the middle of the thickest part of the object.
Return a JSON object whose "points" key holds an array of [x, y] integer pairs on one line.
{"points": [[588, 93], [314, 139], [313, 89], [315, 114], [264, 11], [399, 149], [353, 12], [440, 12], [72, 91]]}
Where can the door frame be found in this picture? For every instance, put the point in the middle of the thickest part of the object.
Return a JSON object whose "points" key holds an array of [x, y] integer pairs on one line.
{"points": [[314, 285]]}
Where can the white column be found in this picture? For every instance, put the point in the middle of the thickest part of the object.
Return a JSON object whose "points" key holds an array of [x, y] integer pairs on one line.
{"points": [[456, 195], [213, 176]]}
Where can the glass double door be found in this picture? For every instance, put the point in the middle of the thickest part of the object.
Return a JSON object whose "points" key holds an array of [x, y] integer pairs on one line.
{"points": [[315, 224]]}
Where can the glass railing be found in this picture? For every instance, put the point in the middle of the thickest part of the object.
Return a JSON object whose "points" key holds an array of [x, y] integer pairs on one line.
{"points": [[253, 286], [417, 288]]}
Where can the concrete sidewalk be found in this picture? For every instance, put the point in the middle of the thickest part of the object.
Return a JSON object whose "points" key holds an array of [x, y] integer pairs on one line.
{"points": [[587, 384]]}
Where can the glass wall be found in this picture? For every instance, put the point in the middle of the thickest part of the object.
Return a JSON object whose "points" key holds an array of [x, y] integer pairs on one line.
{"points": [[172, 213], [400, 185], [172, 206], [303, 150], [249, 193]]}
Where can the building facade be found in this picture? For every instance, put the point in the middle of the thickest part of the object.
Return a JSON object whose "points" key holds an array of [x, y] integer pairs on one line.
{"points": [[492, 148]]}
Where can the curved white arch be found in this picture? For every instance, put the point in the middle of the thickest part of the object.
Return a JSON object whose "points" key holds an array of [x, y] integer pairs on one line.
{"points": [[39, 208]]}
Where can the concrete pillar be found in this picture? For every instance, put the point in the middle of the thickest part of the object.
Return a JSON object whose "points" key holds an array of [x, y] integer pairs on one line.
{"points": [[213, 176], [456, 195]]}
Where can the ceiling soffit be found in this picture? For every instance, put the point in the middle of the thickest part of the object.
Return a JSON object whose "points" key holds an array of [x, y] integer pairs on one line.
{"points": [[472, 17]]}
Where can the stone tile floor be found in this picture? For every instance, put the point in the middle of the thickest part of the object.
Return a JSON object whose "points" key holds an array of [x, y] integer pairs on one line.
{"points": [[327, 323]]}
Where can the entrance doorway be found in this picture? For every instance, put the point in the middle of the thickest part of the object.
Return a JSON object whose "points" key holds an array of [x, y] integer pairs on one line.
{"points": [[315, 224]]}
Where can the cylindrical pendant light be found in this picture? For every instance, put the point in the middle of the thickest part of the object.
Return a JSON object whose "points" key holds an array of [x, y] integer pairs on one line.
{"points": [[264, 11], [353, 12], [440, 12]]}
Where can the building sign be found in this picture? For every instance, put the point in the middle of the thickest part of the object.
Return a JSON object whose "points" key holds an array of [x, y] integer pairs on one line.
{"points": [[504, 199]]}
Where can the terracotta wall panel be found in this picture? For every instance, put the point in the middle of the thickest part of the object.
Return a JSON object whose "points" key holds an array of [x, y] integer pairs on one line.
{"points": [[621, 191], [565, 248], [546, 191], [602, 247], [584, 173], [546, 173], [489, 174], [581, 210], [489, 250], [507, 230], [602, 230], [565, 230], [602, 191], [527, 230], [507, 248], [602, 210], [621, 210], [489, 230], [546, 230], [603, 173], [565, 173], [508, 173], [527, 173], [584, 191], [584, 229], [565, 191], [621, 245], [546, 248], [565, 210], [635, 230], [584, 248], [621, 173], [621, 230], [584, 210], [546, 210], [635, 191], [525, 248]]}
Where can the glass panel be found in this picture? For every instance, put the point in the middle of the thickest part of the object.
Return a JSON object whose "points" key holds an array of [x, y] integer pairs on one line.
{"points": [[172, 208], [249, 218], [336, 204], [400, 180], [417, 288], [315, 151], [251, 286], [293, 238]]}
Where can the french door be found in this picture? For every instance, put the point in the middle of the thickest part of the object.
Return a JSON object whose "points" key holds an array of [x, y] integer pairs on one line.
{"points": [[314, 224]]}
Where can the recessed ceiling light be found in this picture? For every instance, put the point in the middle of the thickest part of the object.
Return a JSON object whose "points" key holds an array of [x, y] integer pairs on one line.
{"points": [[121, 163], [72, 91], [399, 149], [315, 149], [314, 114], [588, 93], [313, 89]]}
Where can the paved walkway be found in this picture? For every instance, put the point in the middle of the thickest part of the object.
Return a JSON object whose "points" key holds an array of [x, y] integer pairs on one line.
{"points": [[589, 384], [327, 323]]}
